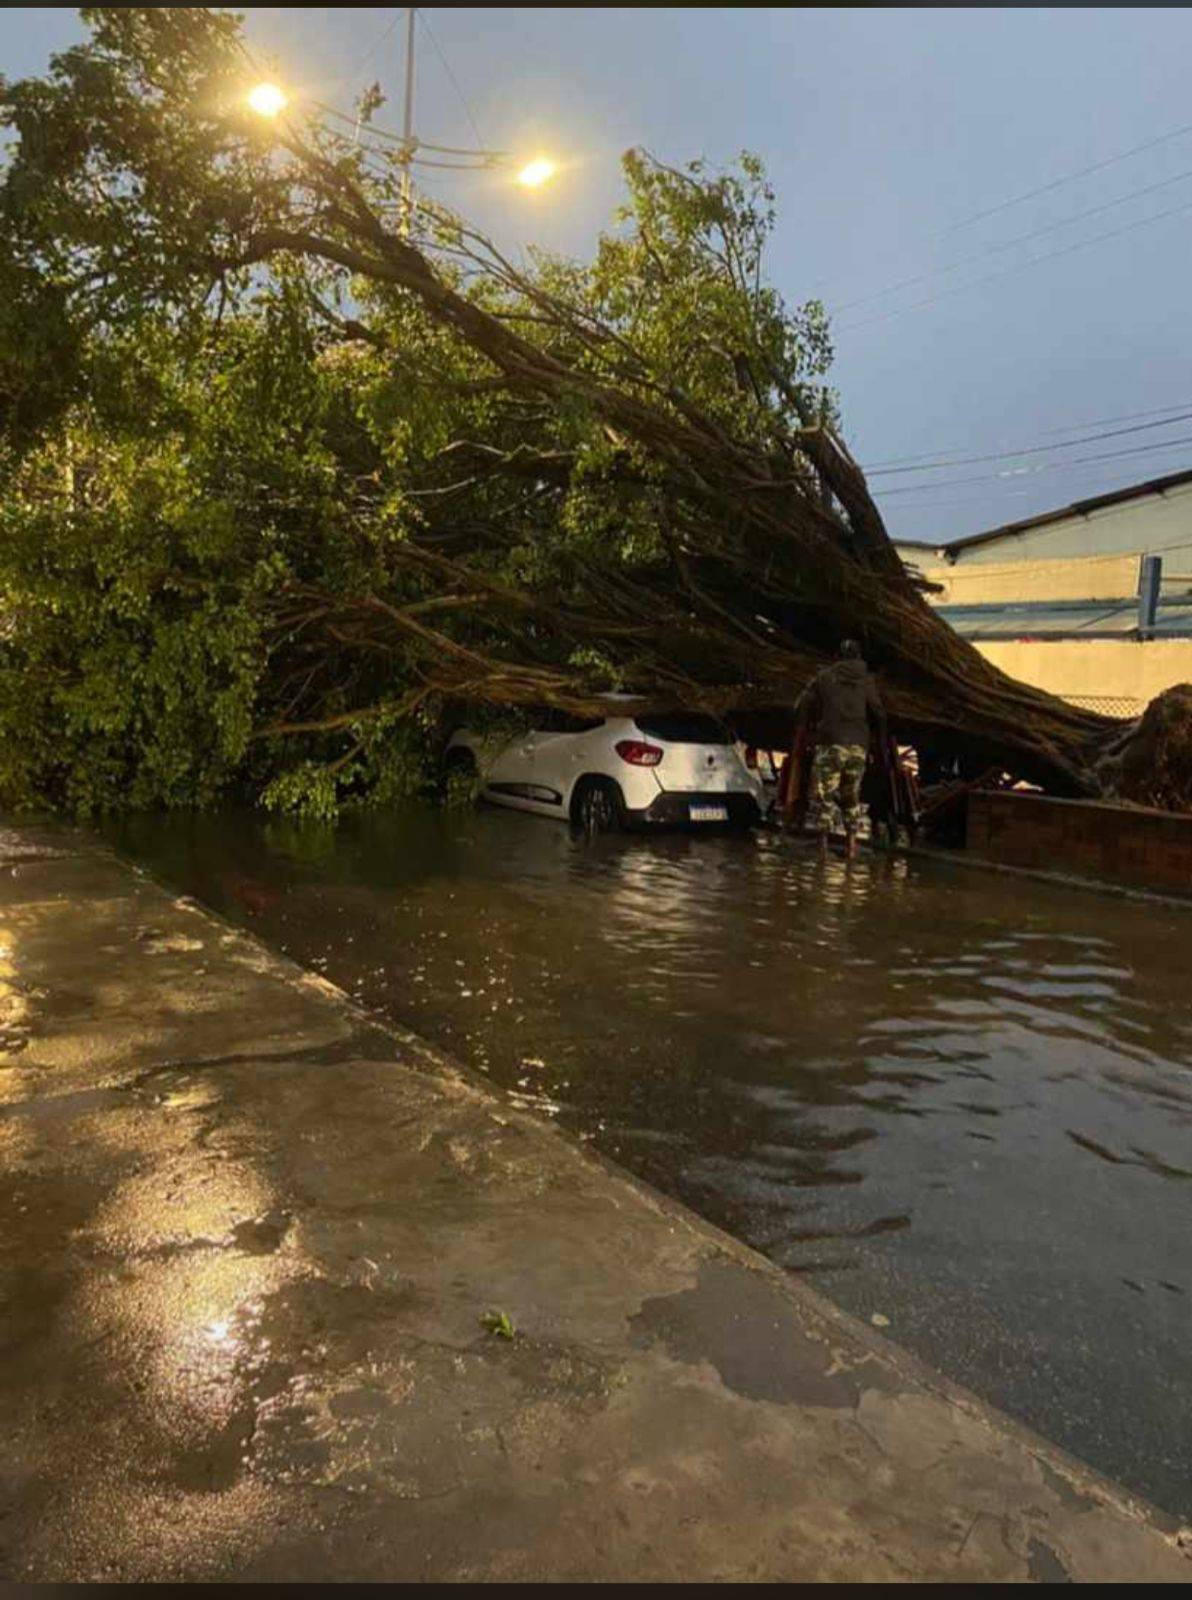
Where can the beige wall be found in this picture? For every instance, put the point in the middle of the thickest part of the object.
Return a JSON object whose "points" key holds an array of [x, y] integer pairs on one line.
{"points": [[1083, 578], [1094, 670], [1115, 675]]}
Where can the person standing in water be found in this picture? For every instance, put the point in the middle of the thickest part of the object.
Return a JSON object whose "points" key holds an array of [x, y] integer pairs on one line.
{"points": [[844, 704]]}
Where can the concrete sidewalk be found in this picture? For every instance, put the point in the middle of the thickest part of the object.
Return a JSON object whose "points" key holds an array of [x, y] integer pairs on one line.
{"points": [[248, 1239]]}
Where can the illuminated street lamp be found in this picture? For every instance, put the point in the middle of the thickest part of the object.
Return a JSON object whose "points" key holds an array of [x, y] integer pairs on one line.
{"points": [[537, 172], [267, 100], [531, 176]]}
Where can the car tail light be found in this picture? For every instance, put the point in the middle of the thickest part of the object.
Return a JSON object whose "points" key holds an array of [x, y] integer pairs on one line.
{"points": [[638, 753]]}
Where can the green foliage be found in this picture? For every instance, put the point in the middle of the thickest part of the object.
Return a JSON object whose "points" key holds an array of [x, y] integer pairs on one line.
{"points": [[498, 1324], [131, 644], [142, 542], [208, 440], [682, 279]]}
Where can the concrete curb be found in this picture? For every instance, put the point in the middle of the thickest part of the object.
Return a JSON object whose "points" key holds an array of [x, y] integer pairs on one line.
{"points": [[728, 1421]]}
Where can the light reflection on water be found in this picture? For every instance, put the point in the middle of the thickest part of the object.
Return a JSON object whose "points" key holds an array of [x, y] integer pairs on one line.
{"points": [[957, 1101]]}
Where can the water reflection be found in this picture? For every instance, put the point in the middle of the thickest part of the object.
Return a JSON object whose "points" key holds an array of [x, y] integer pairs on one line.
{"points": [[961, 1102]]}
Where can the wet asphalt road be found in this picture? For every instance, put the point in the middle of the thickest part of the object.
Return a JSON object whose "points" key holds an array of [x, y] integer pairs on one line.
{"points": [[959, 1104], [252, 1240]]}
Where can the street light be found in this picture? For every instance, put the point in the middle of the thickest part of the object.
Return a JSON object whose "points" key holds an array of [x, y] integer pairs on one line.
{"points": [[537, 172], [267, 100], [531, 176]]}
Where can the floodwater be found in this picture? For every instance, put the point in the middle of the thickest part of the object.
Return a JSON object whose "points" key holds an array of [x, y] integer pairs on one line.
{"points": [[960, 1104]]}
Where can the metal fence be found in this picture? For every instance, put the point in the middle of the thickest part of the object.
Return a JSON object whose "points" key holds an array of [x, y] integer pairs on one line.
{"points": [[1109, 705]]}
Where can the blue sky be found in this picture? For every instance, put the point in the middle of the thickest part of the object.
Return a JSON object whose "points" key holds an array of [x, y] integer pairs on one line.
{"points": [[884, 131]]}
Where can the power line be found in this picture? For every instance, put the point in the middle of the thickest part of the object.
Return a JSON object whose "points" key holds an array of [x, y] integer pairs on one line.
{"points": [[1057, 183], [1011, 244], [399, 139], [1127, 416], [463, 99], [375, 49], [1072, 427], [1114, 482], [1102, 487], [1020, 266], [1049, 466], [1029, 450], [947, 505]]}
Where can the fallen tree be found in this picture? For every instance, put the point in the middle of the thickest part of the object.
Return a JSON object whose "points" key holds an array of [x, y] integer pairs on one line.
{"points": [[622, 474], [772, 545]]}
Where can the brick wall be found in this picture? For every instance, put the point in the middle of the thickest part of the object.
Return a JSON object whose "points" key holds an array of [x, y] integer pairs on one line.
{"points": [[1119, 844]]}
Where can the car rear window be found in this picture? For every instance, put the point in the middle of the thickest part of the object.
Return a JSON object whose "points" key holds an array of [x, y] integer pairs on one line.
{"points": [[685, 727]]}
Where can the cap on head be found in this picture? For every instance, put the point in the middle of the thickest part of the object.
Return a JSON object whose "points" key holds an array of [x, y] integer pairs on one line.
{"points": [[849, 650]]}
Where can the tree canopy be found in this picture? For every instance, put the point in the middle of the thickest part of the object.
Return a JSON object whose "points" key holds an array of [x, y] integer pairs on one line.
{"points": [[285, 481]]}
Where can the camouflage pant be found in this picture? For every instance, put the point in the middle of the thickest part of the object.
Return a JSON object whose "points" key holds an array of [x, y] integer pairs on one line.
{"points": [[836, 764]]}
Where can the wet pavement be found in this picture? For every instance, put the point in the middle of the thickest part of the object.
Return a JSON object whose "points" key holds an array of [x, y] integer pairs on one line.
{"points": [[250, 1236], [956, 1101]]}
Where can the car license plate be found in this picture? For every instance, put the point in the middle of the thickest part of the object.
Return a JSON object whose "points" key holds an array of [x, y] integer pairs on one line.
{"points": [[708, 813]]}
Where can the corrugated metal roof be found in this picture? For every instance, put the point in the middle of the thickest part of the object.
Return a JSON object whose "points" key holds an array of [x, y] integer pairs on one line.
{"points": [[1078, 508]]}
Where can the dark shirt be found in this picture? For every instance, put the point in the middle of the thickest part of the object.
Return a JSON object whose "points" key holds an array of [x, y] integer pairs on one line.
{"points": [[842, 700]]}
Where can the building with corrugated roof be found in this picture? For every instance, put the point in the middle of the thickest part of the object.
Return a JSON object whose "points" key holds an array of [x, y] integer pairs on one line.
{"points": [[1092, 601]]}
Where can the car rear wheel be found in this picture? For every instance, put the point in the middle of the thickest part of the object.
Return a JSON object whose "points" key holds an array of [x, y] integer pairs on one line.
{"points": [[598, 806]]}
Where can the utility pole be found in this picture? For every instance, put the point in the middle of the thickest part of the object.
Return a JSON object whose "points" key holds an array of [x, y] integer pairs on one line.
{"points": [[407, 126]]}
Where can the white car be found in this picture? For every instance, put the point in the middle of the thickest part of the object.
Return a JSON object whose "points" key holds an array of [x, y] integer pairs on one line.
{"points": [[616, 771]]}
